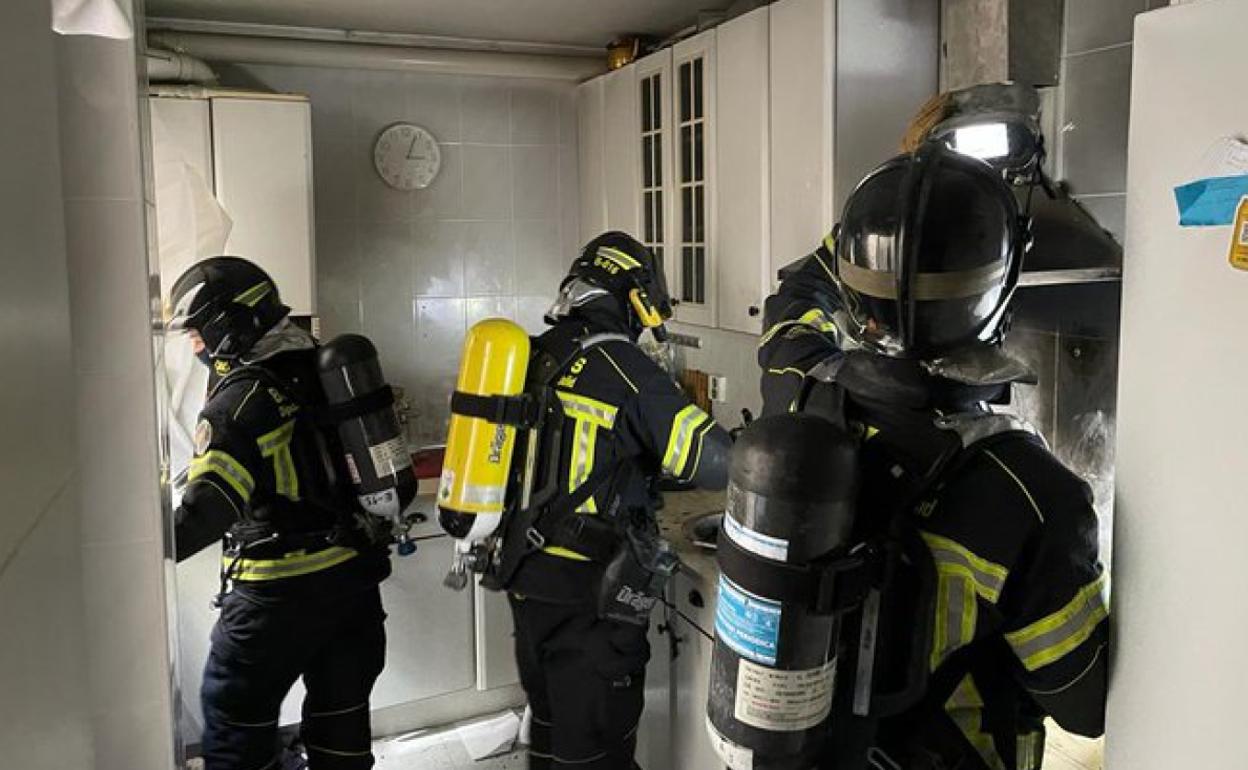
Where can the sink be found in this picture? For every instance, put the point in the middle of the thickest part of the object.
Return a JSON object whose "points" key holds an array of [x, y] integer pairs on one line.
{"points": [[703, 530]]}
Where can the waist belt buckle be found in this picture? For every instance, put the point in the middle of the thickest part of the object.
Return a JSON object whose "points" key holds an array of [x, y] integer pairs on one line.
{"points": [[535, 538]]}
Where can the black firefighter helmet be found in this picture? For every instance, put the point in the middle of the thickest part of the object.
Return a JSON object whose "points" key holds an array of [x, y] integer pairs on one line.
{"points": [[617, 265], [231, 303], [928, 254]]}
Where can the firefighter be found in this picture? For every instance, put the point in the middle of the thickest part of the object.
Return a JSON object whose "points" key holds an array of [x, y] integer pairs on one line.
{"points": [[299, 575], [925, 262], [625, 424], [800, 327]]}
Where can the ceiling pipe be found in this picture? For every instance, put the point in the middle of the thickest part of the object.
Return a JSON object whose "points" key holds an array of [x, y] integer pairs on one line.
{"points": [[248, 50], [170, 67]]}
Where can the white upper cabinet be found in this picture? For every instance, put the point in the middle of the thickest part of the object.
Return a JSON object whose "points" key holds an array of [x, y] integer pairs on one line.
{"points": [[590, 138], [691, 263], [730, 153], [742, 171], [803, 99], [621, 157], [262, 162], [654, 99]]}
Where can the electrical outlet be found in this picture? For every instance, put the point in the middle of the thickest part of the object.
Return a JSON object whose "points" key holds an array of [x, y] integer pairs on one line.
{"points": [[718, 387]]}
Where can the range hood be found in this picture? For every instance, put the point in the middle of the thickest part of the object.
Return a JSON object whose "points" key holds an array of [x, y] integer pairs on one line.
{"points": [[1069, 245]]}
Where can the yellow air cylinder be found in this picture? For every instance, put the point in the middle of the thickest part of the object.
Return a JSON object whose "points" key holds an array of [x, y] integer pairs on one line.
{"points": [[477, 464]]}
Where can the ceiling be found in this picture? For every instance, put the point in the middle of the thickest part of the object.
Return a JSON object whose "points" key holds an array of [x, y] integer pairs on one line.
{"points": [[572, 22]]}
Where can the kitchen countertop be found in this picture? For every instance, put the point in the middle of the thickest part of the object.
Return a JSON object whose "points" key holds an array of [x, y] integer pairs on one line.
{"points": [[679, 507]]}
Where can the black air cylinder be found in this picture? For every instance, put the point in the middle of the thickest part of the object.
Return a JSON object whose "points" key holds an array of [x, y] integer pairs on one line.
{"points": [[362, 406], [791, 493]]}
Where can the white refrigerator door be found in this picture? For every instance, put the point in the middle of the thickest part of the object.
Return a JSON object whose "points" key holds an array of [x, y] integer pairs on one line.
{"points": [[1180, 576]]}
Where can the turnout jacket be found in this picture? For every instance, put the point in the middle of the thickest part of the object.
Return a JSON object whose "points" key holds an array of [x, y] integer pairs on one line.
{"points": [[800, 329], [622, 413], [1019, 622], [261, 473]]}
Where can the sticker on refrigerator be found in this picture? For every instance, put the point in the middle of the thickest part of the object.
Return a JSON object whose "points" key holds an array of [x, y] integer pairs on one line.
{"points": [[734, 756], [1239, 237], [755, 542], [784, 701], [748, 624]]}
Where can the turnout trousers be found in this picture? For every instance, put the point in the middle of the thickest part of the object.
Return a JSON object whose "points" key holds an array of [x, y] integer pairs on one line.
{"points": [[260, 646], [585, 680]]}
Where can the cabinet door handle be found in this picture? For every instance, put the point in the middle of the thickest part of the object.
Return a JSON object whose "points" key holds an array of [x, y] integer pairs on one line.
{"points": [[753, 311]]}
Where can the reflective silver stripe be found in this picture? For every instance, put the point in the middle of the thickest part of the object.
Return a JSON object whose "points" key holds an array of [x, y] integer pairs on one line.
{"points": [[276, 445], [988, 577], [680, 440], [956, 284], [1052, 637], [588, 408], [583, 461]]}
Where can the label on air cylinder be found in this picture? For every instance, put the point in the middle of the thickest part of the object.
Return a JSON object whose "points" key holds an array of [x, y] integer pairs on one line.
{"points": [[748, 624], [390, 457], [784, 701], [756, 542], [734, 756], [384, 503]]}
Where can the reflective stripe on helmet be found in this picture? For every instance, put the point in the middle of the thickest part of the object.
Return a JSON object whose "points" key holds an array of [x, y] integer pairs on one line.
{"points": [[956, 284]]}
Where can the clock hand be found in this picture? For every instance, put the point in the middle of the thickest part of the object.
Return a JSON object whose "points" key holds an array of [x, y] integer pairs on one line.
{"points": [[412, 147]]}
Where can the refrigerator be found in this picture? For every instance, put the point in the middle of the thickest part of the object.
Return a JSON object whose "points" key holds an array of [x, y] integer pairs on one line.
{"points": [[1180, 598]]}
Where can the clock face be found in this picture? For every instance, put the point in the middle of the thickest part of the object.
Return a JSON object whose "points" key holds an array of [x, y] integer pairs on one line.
{"points": [[407, 157]]}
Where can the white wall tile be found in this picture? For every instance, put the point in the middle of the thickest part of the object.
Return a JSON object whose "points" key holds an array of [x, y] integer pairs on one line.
{"points": [[535, 182], [534, 114], [378, 99], [433, 103], [569, 202], [444, 198], [540, 262], [480, 308], [486, 111], [567, 118], [487, 182], [438, 249], [489, 258], [376, 201], [332, 163], [531, 311], [338, 271]]}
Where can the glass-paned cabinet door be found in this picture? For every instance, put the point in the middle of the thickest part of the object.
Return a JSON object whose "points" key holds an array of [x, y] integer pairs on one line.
{"points": [[691, 273], [654, 84]]}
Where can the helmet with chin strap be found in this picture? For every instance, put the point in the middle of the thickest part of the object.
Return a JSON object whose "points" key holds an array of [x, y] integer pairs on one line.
{"points": [[616, 265], [229, 301]]}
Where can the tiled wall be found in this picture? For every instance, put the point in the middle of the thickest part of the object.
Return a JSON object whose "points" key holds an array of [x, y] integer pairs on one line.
{"points": [[107, 205], [44, 718], [491, 236], [1095, 95], [732, 355]]}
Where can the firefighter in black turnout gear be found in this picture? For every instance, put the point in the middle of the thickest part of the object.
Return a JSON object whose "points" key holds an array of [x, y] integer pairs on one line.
{"points": [[1004, 591], [800, 327], [300, 594], [625, 423]]}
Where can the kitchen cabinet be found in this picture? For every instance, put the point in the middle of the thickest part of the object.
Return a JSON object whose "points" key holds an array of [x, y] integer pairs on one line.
{"points": [[690, 263], [691, 670], [742, 142], [590, 155], [254, 153], [802, 54], [742, 171], [262, 165], [621, 156]]}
